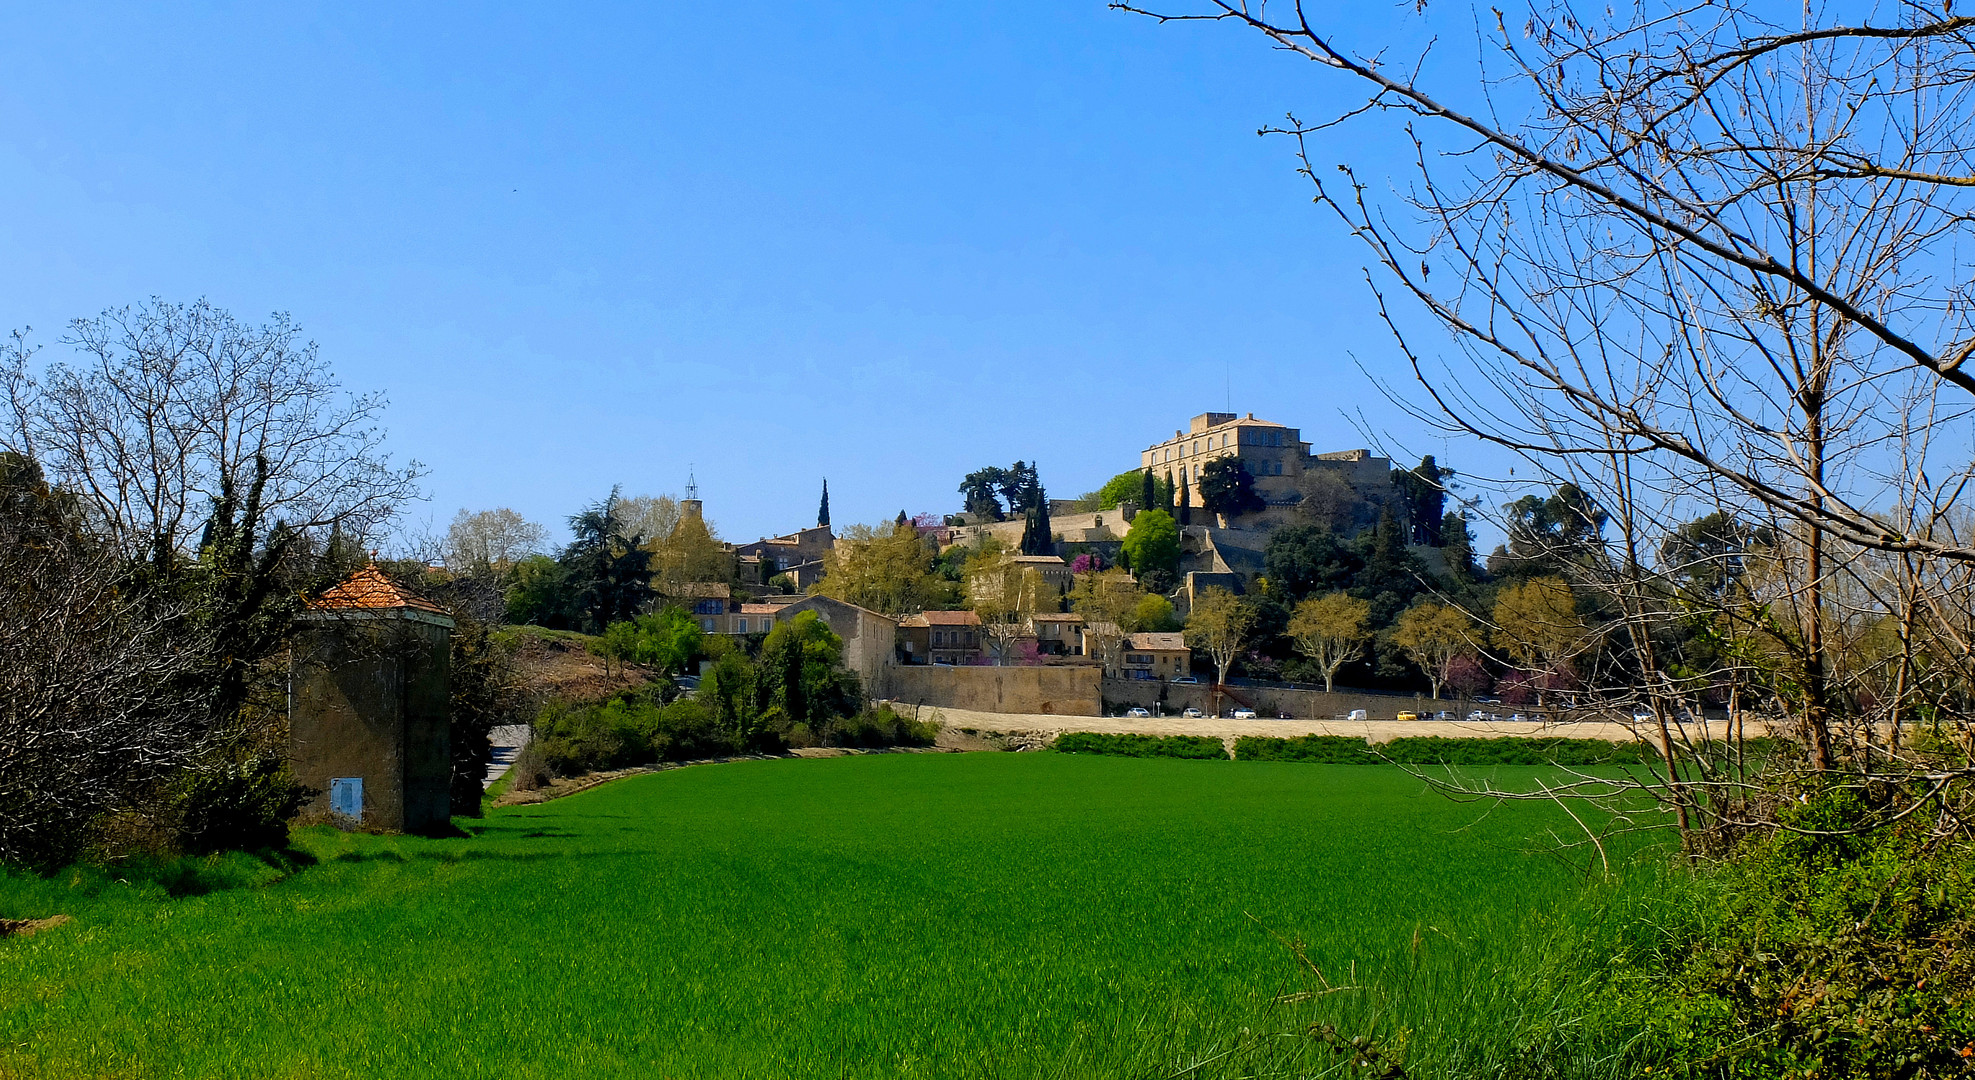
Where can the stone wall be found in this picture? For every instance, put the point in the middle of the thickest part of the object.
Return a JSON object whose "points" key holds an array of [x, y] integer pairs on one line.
{"points": [[1049, 690], [1272, 701]]}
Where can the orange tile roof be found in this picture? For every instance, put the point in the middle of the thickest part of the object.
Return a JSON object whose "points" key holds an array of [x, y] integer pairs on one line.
{"points": [[952, 618], [764, 609], [368, 588]]}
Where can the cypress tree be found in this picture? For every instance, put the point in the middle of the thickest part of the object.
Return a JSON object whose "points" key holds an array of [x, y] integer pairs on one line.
{"points": [[1045, 541], [823, 511], [1149, 498], [1186, 503]]}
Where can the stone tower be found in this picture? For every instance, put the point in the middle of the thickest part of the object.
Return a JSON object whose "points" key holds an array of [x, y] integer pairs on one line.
{"points": [[368, 722]]}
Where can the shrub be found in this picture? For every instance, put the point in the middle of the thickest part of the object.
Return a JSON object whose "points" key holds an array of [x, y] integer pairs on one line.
{"points": [[1835, 956], [235, 805], [1434, 750], [635, 728], [880, 727], [1201, 747]]}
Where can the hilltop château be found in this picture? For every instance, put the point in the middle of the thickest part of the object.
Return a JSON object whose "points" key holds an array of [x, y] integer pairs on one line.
{"points": [[1287, 475]]}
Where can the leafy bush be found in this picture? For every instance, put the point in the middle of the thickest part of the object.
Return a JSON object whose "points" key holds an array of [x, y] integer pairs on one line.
{"points": [[629, 729], [880, 727], [1318, 749], [1433, 750], [235, 805], [1833, 956], [1202, 747]]}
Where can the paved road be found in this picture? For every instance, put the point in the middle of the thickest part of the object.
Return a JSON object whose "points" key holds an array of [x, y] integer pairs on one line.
{"points": [[507, 742]]}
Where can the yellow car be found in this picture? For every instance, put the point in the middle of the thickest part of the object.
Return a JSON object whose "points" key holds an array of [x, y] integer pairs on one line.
{"points": [[1409, 716]]}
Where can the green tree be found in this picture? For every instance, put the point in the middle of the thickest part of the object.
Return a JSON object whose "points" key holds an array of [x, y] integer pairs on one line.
{"points": [[1153, 544], [540, 594], [1305, 559], [1227, 487], [889, 569], [608, 573], [1125, 485], [1154, 614], [802, 673], [1436, 637], [1219, 625], [823, 508], [1332, 630], [1148, 496]]}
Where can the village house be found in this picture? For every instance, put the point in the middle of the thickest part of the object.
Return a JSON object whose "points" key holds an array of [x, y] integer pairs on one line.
{"points": [[1057, 634], [953, 637], [1164, 657]]}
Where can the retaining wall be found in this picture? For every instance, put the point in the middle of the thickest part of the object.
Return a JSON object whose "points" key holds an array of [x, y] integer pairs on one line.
{"points": [[1057, 691]]}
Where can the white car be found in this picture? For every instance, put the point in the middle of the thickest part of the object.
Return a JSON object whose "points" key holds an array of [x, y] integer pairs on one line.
{"points": [[1244, 714], [1136, 712], [1193, 714], [1358, 714]]}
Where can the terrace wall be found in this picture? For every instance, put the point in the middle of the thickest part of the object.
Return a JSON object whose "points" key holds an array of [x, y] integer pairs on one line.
{"points": [[1047, 690]]}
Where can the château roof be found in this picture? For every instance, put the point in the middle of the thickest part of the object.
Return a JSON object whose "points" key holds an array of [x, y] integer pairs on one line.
{"points": [[370, 590]]}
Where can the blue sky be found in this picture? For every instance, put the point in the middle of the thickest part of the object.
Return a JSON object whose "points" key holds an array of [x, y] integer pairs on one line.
{"points": [[596, 246]]}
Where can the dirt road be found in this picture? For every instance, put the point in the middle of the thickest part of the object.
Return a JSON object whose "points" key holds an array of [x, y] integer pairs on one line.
{"points": [[1374, 730]]}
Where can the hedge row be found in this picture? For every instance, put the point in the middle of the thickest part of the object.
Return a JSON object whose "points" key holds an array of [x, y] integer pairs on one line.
{"points": [[1176, 746], [1433, 750], [1352, 750]]}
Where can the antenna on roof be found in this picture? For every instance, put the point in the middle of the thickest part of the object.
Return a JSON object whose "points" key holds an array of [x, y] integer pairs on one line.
{"points": [[692, 485]]}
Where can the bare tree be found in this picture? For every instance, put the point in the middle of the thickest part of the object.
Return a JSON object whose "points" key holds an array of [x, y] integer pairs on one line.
{"points": [[1701, 264], [496, 538], [173, 406], [95, 701]]}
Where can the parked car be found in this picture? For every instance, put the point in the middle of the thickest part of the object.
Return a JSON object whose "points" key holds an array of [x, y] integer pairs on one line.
{"points": [[1407, 714], [1192, 713], [1445, 714], [1479, 717], [1357, 714], [1244, 714], [1487, 701], [1186, 679], [687, 682], [1135, 712], [1518, 718]]}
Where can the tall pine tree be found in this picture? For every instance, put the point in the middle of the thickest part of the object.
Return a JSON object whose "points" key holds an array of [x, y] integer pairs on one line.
{"points": [[823, 511], [1186, 503], [1147, 499]]}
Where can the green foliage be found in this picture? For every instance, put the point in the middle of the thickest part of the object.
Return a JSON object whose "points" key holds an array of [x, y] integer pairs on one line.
{"points": [[1153, 545], [662, 640], [608, 574], [882, 727], [235, 804], [1120, 488], [1302, 560], [540, 594], [1227, 487], [631, 729], [1155, 615], [482, 693], [1432, 750], [1806, 955], [802, 674], [1198, 747]]}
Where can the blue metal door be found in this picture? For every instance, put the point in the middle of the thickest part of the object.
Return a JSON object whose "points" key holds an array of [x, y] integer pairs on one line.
{"points": [[346, 797]]}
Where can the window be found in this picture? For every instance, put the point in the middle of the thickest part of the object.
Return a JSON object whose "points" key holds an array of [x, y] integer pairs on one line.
{"points": [[1196, 445], [706, 625], [939, 637], [743, 626], [709, 607]]}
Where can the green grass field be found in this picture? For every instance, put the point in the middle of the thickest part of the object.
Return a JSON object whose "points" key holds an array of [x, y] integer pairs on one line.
{"points": [[1008, 915]]}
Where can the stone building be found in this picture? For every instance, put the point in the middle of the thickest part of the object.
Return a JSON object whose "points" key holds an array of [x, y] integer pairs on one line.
{"points": [[368, 718], [1287, 475]]}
